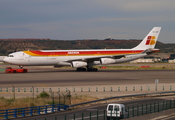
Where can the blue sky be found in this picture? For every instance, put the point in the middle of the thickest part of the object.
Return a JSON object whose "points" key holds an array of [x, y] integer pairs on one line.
{"points": [[86, 19]]}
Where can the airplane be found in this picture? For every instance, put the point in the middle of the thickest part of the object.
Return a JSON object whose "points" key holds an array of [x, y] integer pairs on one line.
{"points": [[84, 60]]}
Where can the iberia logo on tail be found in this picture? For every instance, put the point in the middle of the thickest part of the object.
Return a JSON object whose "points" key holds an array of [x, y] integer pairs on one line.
{"points": [[151, 40]]}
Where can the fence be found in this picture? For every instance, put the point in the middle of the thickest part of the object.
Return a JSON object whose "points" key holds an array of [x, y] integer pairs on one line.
{"points": [[33, 91], [133, 111], [150, 108], [30, 111], [86, 89], [22, 112]]}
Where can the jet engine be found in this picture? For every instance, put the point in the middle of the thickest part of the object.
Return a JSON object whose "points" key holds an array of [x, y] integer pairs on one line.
{"points": [[77, 64], [105, 61]]}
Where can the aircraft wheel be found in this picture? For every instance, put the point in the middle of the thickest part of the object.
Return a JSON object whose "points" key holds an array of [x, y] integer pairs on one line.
{"points": [[78, 69], [89, 69], [95, 69], [81, 69], [92, 69]]}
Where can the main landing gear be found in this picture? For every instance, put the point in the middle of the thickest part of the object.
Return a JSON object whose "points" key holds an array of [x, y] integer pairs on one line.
{"points": [[88, 69], [20, 66]]}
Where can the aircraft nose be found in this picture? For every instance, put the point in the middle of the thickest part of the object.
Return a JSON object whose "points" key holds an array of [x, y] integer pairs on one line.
{"points": [[2, 58], [5, 59]]}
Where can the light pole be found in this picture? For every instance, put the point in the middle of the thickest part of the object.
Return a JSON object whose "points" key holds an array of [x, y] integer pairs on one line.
{"points": [[33, 92], [69, 97], [64, 98], [13, 92], [59, 97]]}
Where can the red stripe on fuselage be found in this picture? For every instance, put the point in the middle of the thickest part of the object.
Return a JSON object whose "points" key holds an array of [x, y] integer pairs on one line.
{"points": [[82, 53]]}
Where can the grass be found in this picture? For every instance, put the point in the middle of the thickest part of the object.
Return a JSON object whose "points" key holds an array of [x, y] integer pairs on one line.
{"points": [[140, 67], [2, 69], [135, 66], [128, 66], [30, 102], [82, 98]]}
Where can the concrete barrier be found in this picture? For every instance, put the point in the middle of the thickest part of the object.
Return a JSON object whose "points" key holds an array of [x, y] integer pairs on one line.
{"points": [[97, 91]]}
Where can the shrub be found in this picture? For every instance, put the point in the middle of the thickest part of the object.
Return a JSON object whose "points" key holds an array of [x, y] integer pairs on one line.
{"points": [[2, 98], [44, 95], [10, 101], [32, 104]]}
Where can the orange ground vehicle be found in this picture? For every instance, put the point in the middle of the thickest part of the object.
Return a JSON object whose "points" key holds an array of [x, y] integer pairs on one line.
{"points": [[14, 70]]}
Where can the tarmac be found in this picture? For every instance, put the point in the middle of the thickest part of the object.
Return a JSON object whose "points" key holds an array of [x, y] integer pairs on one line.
{"points": [[104, 83]]}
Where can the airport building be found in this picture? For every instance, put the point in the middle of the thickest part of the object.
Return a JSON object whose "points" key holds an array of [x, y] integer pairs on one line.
{"points": [[157, 57]]}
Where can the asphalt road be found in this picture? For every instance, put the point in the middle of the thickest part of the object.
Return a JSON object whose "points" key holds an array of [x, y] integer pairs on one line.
{"points": [[54, 77], [70, 115]]}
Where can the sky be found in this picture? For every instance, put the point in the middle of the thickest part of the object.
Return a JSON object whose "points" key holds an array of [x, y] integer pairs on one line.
{"points": [[86, 19]]}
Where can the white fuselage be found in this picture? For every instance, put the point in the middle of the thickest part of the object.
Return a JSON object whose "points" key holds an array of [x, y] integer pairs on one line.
{"points": [[24, 59]]}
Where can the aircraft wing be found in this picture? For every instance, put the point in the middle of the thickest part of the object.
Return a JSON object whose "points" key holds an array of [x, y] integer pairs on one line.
{"points": [[150, 51], [96, 58]]}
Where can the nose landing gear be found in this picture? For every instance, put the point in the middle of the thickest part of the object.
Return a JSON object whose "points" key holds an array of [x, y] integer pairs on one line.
{"points": [[20, 66]]}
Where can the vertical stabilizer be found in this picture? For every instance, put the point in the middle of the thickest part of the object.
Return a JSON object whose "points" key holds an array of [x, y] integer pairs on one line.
{"points": [[150, 40]]}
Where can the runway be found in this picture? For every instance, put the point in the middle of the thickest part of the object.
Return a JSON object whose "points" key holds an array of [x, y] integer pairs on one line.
{"points": [[54, 77]]}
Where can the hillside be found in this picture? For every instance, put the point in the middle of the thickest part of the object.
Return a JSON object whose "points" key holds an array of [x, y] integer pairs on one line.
{"points": [[10, 45]]}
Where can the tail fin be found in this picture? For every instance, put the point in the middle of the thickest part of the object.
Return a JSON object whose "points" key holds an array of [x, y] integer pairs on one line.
{"points": [[150, 40]]}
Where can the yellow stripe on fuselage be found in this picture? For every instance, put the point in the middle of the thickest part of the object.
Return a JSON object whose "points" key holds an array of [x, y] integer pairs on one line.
{"points": [[30, 53]]}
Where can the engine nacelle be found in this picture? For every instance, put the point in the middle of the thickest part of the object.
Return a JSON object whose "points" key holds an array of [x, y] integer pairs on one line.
{"points": [[105, 61], [77, 64]]}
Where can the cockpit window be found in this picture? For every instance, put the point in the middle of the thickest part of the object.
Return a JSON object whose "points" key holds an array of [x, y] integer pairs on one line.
{"points": [[10, 56]]}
